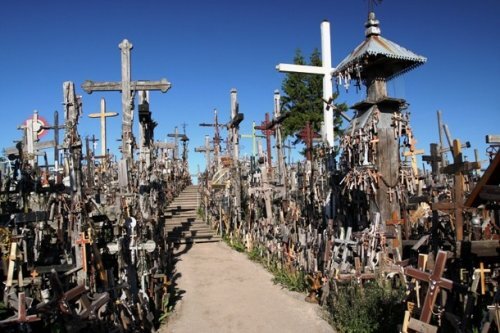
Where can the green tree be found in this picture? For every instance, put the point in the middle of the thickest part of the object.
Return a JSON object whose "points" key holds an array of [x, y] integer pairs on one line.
{"points": [[303, 97]]}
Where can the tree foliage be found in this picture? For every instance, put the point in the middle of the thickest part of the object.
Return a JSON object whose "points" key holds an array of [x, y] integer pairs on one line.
{"points": [[303, 97]]}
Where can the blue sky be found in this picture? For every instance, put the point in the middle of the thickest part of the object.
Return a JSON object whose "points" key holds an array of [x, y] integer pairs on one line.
{"points": [[205, 48]]}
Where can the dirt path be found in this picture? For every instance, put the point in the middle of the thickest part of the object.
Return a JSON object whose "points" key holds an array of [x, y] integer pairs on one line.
{"points": [[223, 291]]}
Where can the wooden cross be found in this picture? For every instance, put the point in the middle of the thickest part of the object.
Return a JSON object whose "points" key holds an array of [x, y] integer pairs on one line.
{"points": [[413, 155], [234, 125], [326, 70], [267, 129], [82, 241], [254, 137], [434, 159], [479, 273], [421, 265], [457, 169], [176, 136], [360, 276], [103, 115], [307, 135], [126, 87], [206, 149], [435, 280], [217, 139], [396, 223], [22, 316]]}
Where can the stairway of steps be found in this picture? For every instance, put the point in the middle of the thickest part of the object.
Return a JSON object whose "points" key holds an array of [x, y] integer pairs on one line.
{"points": [[182, 222]]}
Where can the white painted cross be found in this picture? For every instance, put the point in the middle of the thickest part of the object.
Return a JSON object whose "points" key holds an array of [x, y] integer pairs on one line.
{"points": [[326, 70], [103, 115]]}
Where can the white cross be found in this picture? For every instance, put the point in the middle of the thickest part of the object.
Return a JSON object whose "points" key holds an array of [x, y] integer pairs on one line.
{"points": [[103, 115], [326, 70]]}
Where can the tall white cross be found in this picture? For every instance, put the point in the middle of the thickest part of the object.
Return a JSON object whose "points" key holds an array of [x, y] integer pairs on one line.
{"points": [[103, 115], [326, 70]]}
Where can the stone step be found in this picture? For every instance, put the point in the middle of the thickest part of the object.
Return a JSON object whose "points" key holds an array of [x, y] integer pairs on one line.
{"points": [[186, 224], [182, 223], [178, 240], [200, 228]]}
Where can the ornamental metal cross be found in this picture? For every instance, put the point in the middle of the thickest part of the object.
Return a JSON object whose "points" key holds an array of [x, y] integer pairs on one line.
{"points": [[127, 88], [326, 70]]}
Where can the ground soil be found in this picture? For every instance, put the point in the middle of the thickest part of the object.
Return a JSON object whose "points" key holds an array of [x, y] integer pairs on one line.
{"points": [[221, 290]]}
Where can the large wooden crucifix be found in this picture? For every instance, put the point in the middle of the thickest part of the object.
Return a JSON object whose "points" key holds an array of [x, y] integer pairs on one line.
{"points": [[127, 89], [436, 281], [326, 70], [103, 115], [457, 169]]}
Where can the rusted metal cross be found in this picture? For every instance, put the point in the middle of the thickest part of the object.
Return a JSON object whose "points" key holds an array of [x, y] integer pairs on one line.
{"points": [[307, 135], [435, 280]]}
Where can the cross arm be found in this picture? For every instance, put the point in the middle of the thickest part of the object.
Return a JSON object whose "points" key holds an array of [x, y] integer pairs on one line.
{"points": [[106, 114], [201, 150], [305, 69], [236, 120], [90, 86], [417, 274]]}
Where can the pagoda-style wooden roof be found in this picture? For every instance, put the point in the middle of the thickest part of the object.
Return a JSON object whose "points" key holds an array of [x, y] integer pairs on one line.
{"points": [[378, 57]]}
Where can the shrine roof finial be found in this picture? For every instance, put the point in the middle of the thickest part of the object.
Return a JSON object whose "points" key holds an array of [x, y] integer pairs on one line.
{"points": [[372, 25]]}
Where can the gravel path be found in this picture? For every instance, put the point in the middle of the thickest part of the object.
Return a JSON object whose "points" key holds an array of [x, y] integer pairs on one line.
{"points": [[223, 291]]}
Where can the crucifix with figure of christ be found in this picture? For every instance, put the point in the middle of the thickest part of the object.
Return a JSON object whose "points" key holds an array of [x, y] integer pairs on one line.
{"points": [[326, 70], [128, 89]]}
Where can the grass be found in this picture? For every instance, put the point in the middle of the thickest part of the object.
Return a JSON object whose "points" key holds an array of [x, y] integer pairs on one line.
{"points": [[377, 308], [292, 280]]}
